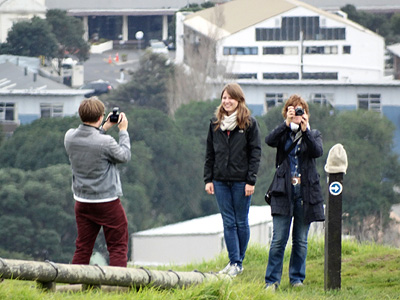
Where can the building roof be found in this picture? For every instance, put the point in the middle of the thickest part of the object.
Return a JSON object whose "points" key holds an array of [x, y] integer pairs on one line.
{"points": [[18, 80], [395, 49], [21, 6], [206, 225], [119, 7], [228, 18]]}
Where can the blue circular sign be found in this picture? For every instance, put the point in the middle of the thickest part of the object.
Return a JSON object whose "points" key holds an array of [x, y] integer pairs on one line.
{"points": [[335, 188]]}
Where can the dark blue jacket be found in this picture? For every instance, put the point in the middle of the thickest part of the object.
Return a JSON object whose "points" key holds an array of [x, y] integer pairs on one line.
{"points": [[310, 149]]}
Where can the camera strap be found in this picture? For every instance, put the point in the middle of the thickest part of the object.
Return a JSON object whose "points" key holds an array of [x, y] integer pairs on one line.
{"points": [[290, 149]]}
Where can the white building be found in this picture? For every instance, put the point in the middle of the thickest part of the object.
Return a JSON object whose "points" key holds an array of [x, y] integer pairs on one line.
{"points": [[198, 239], [287, 40], [274, 49], [13, 11], [26, 96]]}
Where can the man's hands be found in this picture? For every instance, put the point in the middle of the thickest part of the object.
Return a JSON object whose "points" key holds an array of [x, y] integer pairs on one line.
{"points": [[122, 122]]}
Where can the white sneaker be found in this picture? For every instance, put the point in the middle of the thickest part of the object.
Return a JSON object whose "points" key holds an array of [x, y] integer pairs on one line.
{"points": [[226, 269], [271, 287], [235, 270]]}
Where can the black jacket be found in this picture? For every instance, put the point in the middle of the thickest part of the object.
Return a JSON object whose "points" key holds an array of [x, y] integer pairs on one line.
{"points": [[310, 149], [235, 157]]}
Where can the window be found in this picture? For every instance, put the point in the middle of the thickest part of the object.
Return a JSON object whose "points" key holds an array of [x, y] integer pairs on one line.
{"points": [[321, 75], [281, 76], [290, 28], [51, 110], [321, 50], [346, 49], [240, 51], [369, 102], [7, 110], [272, 100], [243, 76], [280, 50], [322, 99]]}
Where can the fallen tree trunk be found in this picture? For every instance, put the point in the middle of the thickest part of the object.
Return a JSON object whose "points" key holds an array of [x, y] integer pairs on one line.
{"points": [[48, 273]]}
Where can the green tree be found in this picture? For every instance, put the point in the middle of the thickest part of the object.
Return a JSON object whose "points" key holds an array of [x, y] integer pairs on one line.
{"points": [[69, 33], [395, 23], [31, 38], [37, 213], [149, 86], [43, 140]]}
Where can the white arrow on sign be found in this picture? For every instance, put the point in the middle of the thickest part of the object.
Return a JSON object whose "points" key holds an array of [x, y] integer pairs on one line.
{"points": [[335, 188]]}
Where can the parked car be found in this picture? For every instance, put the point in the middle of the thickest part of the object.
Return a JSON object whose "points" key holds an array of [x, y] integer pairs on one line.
{"points": [[99, 87], [158, 47]]}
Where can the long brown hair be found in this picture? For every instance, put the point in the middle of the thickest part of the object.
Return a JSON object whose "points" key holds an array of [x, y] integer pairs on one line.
{"points": [[243, 113]]}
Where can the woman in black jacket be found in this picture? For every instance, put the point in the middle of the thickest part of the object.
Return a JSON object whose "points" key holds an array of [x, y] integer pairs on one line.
{"points": [[230, 171], [302, 200]]}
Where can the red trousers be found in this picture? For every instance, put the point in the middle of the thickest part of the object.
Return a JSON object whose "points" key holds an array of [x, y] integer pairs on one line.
{"points": [[90, 217]]}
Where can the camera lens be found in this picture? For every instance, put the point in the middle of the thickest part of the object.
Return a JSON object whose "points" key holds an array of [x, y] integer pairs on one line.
{"points": [[299, 111]]}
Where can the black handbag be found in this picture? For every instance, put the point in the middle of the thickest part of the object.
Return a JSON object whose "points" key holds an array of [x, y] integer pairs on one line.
{"points": [[278, 182]]}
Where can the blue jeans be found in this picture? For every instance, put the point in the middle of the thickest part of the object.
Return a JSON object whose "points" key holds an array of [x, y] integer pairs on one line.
{"points": [[234, 207], [281, 229]]}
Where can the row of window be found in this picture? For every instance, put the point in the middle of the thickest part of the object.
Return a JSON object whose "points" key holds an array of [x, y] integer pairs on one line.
{"points": [[297, 28], [47, 110], [364, 101], [288, 76], [289, 50]]}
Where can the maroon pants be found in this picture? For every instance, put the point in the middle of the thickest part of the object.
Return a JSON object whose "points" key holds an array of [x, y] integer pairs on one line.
{"points": [[90, 217]]}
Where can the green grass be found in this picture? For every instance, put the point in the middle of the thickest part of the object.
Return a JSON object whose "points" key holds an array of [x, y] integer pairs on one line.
{"points": [[369, 271]]}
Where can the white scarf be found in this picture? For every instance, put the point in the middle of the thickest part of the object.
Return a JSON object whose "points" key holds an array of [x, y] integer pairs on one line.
{"points": [[229, 122]]}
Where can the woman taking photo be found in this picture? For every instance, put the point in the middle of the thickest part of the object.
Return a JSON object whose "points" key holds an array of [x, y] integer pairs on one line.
{"points": [[230, 171], [302, 199]]}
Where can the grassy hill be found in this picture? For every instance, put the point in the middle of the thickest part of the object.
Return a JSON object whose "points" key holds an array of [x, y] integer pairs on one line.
{"points": [[369, 271]]}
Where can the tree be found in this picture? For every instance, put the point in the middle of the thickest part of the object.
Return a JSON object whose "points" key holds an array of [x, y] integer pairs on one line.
{"points": [[149, 84], [43, 140], [37, 213], [31, 38], [69, 33]]}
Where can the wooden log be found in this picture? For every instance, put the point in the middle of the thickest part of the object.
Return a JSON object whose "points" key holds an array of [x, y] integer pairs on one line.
{"points": [[46, 273]]}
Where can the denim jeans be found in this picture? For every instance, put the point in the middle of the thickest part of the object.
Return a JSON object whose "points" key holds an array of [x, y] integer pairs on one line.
{"points": [[281, 229], [234, 207]]}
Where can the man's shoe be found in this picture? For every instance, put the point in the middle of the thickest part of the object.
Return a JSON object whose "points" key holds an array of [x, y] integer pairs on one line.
{"points": [[271, 287], [226, 269], [298, 285], [235, 270]]}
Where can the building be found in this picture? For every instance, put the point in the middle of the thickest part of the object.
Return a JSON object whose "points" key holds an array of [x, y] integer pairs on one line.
{"points": [[395, 52], [199, 239], [26, 96], [12, 11], [279, 48], [120, 20]]}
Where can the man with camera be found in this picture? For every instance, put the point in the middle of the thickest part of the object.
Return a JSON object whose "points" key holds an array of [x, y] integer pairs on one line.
{"points": [[96, 183]]}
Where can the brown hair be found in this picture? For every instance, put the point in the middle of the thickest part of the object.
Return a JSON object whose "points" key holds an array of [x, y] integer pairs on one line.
{"points": [[295, 100], [243, 113], [91, 109]]}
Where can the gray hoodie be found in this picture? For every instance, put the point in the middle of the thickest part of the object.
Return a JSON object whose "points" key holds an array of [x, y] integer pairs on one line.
{"points": [[93, 156]]}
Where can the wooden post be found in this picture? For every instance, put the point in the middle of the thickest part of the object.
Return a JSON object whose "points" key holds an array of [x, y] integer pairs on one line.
{"points": [[336, 167], [333, 233]]}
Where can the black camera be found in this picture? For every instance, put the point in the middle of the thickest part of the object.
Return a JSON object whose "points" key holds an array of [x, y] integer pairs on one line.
{"points": [[299, 111], [115, 115]]}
